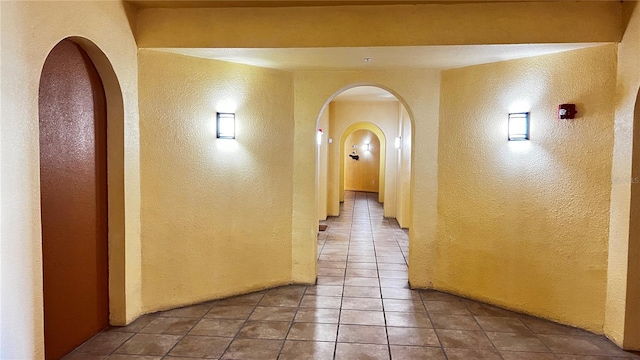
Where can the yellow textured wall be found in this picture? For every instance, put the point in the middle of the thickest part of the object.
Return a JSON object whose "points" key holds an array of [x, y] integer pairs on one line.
{"points": [[623, 292], [363, 174], [384, 115], [322, 161], [30, 29], [525, 224], [419, 91], [434, 24], [216, 213], [403, 172]]}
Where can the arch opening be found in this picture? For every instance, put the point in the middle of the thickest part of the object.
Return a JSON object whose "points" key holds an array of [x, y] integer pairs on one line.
{"points": [[92, 106], [378, 109]]}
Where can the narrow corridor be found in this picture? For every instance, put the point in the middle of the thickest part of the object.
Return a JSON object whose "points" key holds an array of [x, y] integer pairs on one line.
{"points": [[361, 308]]}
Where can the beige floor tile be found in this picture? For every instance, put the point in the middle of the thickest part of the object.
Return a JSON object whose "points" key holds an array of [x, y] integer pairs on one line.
{"points": [[84, 356], [512, 355], [330, 280], [446, 307], [362, 291], [362, 266], [169, 326], [516, 342], [463, 339], [412, 336], [404, 306], [361, 281], [272, 314], [398, 319], [475, 354], [394, 283], [454, 322], [432, 295], [362, 334], [307, 350], [320, 302], [253, 349], [347, 351], [416, 353], [133, 357], [324, 290], [277, 299], [135, 326], [104, 343], [328, 316], [194, 311], [539, 326], [148, 344], [249, 299], [201, 347], [568, 344], [372, 273], [400, 294], [331, 272], [354, 303], [313, 331], [480, 309], [502, 324], [217, 327], [264, 330], [360, 317], [240, 312]]}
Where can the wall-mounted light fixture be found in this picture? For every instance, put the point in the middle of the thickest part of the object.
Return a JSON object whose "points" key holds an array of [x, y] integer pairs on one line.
{"points": [[319, 137], [398, 142], [226, 126], [366, 147], [518, 126]]}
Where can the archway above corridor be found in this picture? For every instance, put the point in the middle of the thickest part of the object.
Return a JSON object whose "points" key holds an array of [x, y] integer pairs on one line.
{"points": [[378, 110]]}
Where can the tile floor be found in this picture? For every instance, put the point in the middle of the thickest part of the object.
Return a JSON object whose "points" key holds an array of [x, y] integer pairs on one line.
{"points": [[361, 308]]}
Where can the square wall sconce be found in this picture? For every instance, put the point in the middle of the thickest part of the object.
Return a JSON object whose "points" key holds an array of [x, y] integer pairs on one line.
{"points": [[366, 147], [398, 142], [226, 126], [519, 126]]}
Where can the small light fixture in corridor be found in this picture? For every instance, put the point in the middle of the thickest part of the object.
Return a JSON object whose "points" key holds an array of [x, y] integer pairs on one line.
{"points": [[518, 126], [226, 126], [366, 147], [398, 142], [319, 137]]}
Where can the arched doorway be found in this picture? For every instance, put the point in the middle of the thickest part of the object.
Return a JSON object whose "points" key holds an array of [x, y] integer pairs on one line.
{"points": [[378, 110], [74, 200], [362, 166]]}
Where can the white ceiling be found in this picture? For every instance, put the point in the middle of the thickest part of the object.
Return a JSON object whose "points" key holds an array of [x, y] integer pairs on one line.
{"points": [[391, 57], [404, 57], [365, 93]]}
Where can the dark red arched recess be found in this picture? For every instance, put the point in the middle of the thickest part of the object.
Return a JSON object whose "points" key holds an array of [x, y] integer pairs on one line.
{"points": [[73, 184]]}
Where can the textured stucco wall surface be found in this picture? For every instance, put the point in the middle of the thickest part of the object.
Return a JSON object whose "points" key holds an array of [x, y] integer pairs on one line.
{"points": [[622, 322], [30, 29], [431, 24], [525, 224], [322, 163], [216, 213], [403, 174]]}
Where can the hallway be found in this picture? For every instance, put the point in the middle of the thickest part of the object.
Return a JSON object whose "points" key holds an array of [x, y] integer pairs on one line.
{"points": [[361, 308]]}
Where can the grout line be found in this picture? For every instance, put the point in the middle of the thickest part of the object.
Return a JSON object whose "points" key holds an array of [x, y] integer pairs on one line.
{"points": [[243, 324]]}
